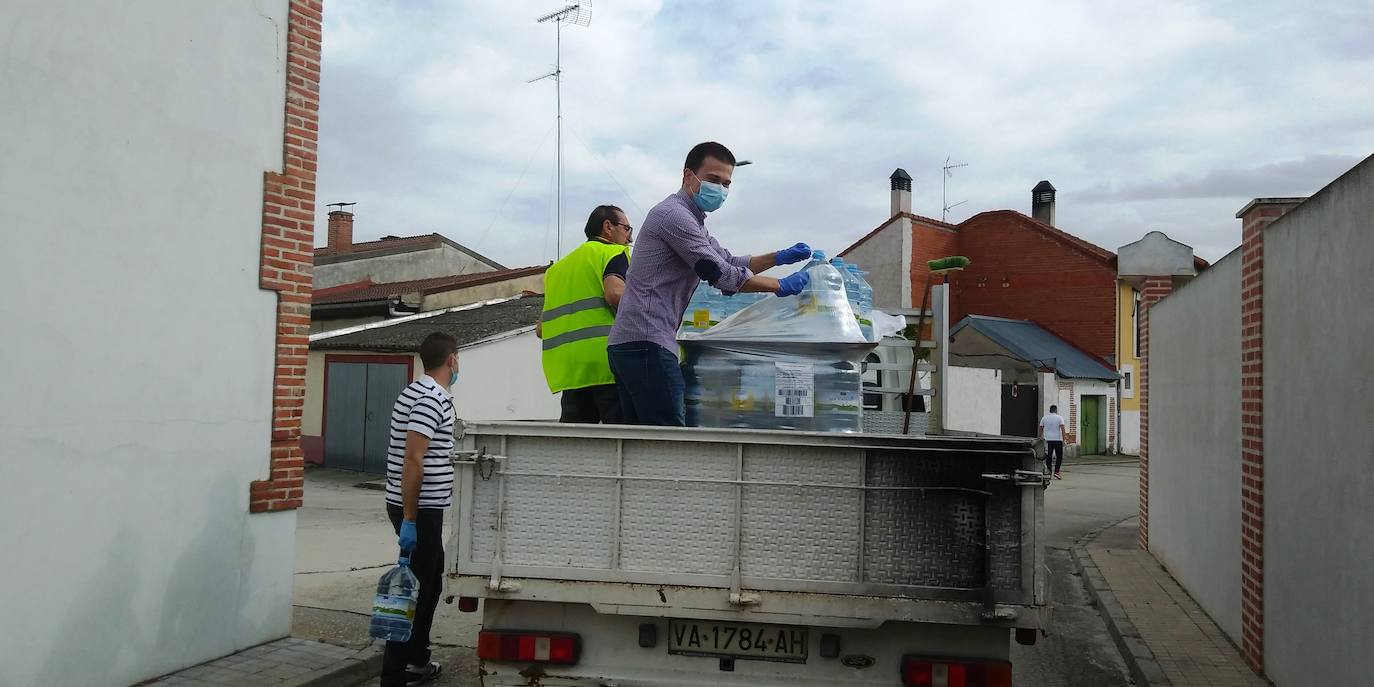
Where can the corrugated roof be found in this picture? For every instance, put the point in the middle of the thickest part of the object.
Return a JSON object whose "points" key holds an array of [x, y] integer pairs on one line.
{"points": [[468, 325], [1034, 344]]}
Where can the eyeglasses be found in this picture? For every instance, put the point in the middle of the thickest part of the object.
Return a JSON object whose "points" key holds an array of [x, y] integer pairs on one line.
{"points": [[622, 224]]}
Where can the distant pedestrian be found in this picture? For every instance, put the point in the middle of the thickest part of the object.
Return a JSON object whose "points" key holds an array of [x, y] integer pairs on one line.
{"points": [[419, 486], [1052, 429]]}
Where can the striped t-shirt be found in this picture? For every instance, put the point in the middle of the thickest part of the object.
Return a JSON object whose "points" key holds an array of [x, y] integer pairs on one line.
{"points": [[423, 407]]}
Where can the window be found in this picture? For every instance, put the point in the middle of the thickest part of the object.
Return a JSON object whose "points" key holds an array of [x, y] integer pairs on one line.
{"points": [[873, 378], [1127, 381]]}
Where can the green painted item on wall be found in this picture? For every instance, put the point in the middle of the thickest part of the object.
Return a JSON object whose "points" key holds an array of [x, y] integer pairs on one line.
{"points": [[953, 262]]}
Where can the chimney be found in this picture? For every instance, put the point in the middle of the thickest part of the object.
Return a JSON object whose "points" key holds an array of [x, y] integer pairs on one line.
{"points": [[1042, 202], [341, 226], [901, 192]]}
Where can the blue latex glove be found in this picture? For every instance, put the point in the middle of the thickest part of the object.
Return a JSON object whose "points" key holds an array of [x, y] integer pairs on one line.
{"points": [[408, 538], [796, 253], [793, 284]]}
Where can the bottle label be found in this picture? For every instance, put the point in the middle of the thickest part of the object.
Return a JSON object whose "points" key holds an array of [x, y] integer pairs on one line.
{"points": [[394, 606], [796, 390]]}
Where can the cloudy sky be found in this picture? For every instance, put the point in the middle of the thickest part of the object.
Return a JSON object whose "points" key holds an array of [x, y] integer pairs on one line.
{"points": [[1162, 115]]}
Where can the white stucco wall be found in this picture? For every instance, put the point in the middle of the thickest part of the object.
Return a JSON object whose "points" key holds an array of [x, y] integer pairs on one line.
{"points": [[138, 362], [1318, 437], [422, 264], [1130, 432], [503, 380], [887, 259], [1195, 439], [975, 400]]}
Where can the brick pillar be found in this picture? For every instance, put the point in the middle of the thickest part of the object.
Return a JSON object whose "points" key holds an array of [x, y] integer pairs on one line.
{"points": [[287, 258], [1255, 216], [1152, 290]]}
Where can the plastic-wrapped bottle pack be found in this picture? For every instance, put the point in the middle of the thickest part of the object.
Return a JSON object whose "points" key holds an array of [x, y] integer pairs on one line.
{"points": [[790, 363]]}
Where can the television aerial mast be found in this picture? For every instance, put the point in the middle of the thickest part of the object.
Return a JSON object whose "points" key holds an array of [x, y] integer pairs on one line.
{"points": [[578, 14], [944, 178]]}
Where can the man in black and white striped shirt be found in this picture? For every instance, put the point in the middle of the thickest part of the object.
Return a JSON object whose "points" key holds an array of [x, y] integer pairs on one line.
{"points": [[419, 486]]}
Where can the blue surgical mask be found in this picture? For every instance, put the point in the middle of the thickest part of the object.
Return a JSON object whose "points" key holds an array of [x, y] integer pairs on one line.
{"points": [[453, 378], [710, 196]]}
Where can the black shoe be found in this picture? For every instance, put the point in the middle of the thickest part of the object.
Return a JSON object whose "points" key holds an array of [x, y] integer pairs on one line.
{"points": [[418, 675]]}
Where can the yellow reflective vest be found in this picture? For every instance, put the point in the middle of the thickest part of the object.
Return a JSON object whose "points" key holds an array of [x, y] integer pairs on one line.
{"points": [[577, 319]]}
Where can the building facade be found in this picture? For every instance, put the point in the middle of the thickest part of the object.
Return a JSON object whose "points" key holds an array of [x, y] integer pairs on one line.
{"points": [[1022, 267], [391, 258], [159, 181]]}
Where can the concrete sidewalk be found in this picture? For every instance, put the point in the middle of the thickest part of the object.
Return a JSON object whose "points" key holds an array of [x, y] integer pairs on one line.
{"points": [[1163, 634], [289, 662]]}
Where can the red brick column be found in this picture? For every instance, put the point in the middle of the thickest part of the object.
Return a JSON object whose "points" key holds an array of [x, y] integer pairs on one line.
{"points": [[1254, 217], [287, 259], [1152, 290]]}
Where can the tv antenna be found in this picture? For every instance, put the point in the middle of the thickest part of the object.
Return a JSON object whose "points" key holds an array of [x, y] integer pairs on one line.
{"points": [[578, 14], [944, 178]]}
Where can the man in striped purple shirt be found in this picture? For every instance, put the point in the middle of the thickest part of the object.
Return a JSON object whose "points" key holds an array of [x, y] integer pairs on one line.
{"points": [[673, 254]]}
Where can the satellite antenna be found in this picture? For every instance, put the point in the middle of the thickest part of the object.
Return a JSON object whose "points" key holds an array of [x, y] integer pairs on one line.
{"points": [[949, 172], [578, 14]]}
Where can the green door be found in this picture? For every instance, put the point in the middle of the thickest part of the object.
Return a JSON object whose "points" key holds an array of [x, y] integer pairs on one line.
{"points": [[1088, 417]]}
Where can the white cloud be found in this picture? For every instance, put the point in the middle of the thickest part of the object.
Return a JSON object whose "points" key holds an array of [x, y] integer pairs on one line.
{"points": [[427, 121]]}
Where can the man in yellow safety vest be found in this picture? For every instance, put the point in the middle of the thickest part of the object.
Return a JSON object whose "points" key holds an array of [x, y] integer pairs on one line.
{"points": [[581, 294]]}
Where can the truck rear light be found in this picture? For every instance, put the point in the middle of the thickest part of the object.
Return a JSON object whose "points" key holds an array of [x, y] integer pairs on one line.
{"points": [[556, 648], [918, 671]]}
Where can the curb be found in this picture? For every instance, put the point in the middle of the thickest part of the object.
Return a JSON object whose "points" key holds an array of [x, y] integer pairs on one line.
{"points": [[1145, 669], [365, 664]]}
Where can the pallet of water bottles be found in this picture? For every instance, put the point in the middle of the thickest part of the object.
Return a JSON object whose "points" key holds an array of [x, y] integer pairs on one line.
{"points": [[792, 363], [710, 306]]}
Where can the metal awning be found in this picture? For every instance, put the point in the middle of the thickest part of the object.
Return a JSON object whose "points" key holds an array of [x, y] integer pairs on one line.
{"points": [[1020, 349]]}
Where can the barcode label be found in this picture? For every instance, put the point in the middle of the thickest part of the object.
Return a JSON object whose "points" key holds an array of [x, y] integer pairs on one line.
{"points": [[796, 389]]}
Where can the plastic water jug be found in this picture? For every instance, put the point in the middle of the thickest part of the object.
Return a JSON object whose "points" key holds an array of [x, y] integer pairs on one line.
{"points": [[393, 611]]}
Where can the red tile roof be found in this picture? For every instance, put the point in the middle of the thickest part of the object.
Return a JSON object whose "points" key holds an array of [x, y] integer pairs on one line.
{"points": [[416, 242], [369, 291]]}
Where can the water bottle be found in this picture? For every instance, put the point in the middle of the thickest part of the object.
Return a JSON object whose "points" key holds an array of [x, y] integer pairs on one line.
{"points": [[393, 611], [817, 257]]}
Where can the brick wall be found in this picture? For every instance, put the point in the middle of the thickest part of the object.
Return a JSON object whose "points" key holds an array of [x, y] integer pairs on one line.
{"points": [[288, 241], [1063, 288], [1151, 291], [1254, 218], [930, 243]]}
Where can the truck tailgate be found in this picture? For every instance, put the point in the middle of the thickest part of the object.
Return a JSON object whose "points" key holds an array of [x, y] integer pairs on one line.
{"points": [[938, 526]]}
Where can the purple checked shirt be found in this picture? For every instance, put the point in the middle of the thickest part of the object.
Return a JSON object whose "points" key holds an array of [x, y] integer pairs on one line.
{"points": [[663, 272]]}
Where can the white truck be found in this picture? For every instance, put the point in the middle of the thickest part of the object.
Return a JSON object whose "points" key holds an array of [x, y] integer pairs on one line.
{"points": [[623, 556]]}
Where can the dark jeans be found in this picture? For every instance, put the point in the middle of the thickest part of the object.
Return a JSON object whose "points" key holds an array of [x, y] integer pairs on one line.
{"points": [[1054, 456], [427, 562], [591, 405], [650, 381]]}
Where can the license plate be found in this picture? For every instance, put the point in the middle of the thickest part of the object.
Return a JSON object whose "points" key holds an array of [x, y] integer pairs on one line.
{"points": [[738, 640]]}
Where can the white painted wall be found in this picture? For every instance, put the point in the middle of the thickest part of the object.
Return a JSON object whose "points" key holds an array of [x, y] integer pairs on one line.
{"points": [[887, 259], [137, 372], [1130, 432], [975, 400], [503, 380], [423, 264], [1318, 437], [1195, 439]]}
